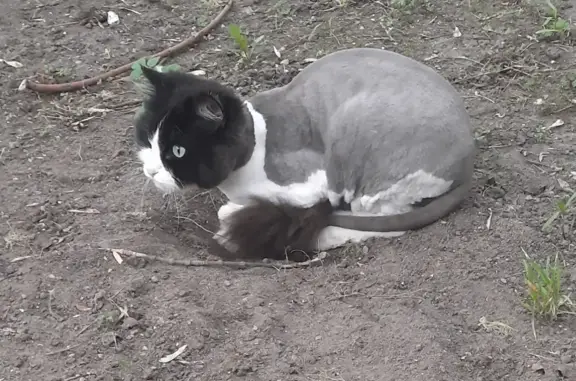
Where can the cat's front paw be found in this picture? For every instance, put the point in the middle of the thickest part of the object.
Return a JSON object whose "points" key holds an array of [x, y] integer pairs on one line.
{"points": [[221, 236], [227, 209]]}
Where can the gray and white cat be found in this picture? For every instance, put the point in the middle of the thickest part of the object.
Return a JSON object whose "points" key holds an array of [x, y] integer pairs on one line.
{"points": [[362, 143]]}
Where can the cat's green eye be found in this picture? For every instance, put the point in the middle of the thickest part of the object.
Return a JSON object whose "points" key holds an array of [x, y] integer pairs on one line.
{"points": [[178, 151]]}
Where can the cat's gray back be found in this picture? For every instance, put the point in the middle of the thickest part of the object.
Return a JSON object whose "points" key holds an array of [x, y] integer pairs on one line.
{"points": [[369, 117]]}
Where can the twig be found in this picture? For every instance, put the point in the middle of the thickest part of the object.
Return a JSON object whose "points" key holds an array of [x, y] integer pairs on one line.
{"points": [[78, 85], [88, 326], [499, 71], [62, 350], [239, 264]]}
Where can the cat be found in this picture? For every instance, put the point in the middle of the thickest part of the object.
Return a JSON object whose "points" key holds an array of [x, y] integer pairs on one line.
{"points": [[362, 143]]}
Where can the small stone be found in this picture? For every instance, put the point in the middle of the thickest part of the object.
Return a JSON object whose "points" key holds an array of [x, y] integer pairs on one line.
{"points": [[553, 53], [19, 362], [227, 283], [109, 340], [243, 370], [148, 374], [129, 322], [504, 281], [538, 368], [154, 279], [566, 359], [564, 371]]}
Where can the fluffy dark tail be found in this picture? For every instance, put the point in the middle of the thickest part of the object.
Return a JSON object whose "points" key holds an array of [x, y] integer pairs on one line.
{"points": [[262, 229], [282, 231]]}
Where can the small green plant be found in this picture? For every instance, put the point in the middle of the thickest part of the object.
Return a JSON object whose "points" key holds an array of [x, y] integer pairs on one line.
{"points": [[151, 63], [403, 4], [246, 50], [545, 297], [554, 25], [564, 209]]}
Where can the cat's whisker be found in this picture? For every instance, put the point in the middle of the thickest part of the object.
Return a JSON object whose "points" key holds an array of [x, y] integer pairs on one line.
{"points": [[144, 186]]}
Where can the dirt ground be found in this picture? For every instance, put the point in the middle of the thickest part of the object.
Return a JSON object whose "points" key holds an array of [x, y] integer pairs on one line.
{"points": [[403, 309]]}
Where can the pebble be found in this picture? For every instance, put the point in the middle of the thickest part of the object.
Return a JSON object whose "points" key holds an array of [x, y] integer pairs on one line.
{"points": [[129, 322], [553, 53], [566, 359], [154, 279]]}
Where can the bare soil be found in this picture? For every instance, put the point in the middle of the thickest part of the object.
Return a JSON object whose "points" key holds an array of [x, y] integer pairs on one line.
{"points": [[403, 309]]}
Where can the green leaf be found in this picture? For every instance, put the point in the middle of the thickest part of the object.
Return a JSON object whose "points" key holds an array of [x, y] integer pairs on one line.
{"points": [[234, 31], [136, 66], [561, 24], [142, 61], [135, 74], [153, 62], [238, 37], [172, 67]]}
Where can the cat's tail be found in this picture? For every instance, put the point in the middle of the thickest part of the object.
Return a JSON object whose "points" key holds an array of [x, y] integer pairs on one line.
{"points": [[415, 219], [262, 229]]}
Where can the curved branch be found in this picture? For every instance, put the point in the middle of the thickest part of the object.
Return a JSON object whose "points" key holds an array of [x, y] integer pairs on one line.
{"points": [[78, 85]]}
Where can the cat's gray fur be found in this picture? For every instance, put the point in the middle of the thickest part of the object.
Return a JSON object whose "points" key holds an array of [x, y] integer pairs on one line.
{"points": [[368, 127]]}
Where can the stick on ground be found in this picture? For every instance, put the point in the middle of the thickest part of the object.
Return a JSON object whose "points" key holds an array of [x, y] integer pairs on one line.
{"points": [[183, 45], [240, 264]]}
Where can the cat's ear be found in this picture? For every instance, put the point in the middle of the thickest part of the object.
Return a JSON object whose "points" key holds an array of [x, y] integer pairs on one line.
{"points": [[211, 113], [154, 77], [151, 82]]}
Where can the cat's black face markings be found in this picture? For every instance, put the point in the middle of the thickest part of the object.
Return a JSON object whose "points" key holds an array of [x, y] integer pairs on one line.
{"points": [[203, 130]]}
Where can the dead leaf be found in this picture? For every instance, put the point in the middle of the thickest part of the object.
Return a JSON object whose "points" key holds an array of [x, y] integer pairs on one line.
{"points": [[489, 221], [172, 356], [457, 32], [18, 259], [14, 64], [277, 52], [85, 211], [557, 123], [564, 185], [112, 18], [117, 257], [23, 85], [82, 308]]}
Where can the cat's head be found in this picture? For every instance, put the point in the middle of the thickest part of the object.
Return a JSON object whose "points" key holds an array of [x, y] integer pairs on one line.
{"points": [[191, 132]]}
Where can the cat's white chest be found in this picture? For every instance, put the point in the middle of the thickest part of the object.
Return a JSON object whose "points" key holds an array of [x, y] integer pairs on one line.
{"points": [[251, 180]]}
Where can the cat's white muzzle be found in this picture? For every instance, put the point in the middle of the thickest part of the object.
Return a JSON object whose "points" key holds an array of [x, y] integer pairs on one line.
{"points": [[162, 179], [155, 171]]}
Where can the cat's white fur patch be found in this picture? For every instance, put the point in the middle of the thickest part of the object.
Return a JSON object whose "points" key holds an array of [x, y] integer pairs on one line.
{"points": [[251, 180], [333, 237], [154, 168]]}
